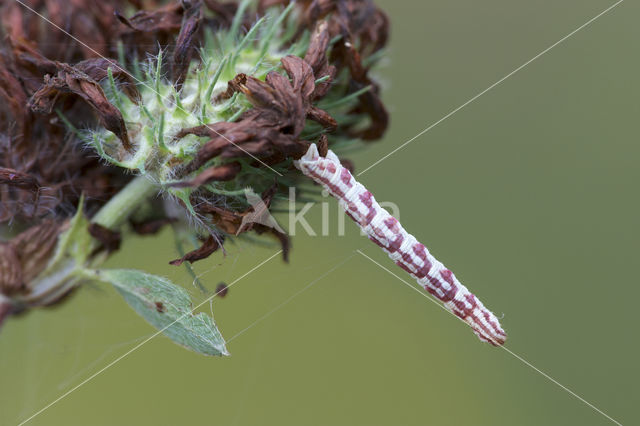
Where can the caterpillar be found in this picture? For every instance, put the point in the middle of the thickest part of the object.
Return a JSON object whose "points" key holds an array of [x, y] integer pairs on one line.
{"points": [[402, 247]]}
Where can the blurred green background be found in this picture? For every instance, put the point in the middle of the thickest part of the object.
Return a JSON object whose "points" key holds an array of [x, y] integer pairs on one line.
{"points": [[529, 195]]}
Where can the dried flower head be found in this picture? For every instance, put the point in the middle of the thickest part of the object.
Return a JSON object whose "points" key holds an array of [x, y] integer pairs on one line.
{"points": [[195, 100]]}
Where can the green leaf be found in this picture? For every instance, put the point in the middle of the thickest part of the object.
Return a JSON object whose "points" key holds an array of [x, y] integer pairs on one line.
{"points": [[168, 308], [75, 242]]}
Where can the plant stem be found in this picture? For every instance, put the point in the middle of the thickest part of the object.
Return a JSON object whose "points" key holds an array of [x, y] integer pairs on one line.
{"points": [[61, 278], [125, 202]]}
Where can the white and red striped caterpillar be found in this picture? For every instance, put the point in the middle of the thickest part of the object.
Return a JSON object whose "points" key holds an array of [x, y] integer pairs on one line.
{"points": [[402, 247]]}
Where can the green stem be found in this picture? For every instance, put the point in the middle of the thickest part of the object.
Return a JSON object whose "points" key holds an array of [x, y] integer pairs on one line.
{"points": [[68, 272], [125, 202]]}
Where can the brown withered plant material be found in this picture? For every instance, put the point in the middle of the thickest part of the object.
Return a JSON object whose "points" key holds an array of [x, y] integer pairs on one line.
{"points": [[73, 81], [209, 246], [109, 240], [46, 75], [23, 257], [360, 23]]}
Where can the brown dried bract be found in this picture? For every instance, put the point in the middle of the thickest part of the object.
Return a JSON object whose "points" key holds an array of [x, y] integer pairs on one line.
{"points": [[210, 245], [271, 129], [71, 80], [23, 257], [231, 222], [12, 93], [369, 102], [18, 179], [92, 22], [358, 23], [97, 69], [165, 18], [109, 240], [11, 281], [185, 42], [224, 172], [285, 241], [316, 57]]}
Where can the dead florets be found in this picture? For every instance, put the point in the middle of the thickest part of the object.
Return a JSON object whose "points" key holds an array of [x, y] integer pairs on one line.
{"points": [[171, 115]]}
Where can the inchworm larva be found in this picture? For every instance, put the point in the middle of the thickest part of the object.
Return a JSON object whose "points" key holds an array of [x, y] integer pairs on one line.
{"points": [[402, 247]]}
